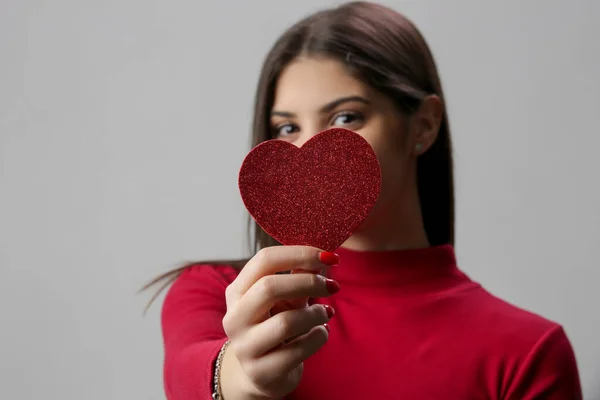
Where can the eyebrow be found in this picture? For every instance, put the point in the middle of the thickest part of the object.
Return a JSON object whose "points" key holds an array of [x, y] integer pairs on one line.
{"points": [[327, 107]]}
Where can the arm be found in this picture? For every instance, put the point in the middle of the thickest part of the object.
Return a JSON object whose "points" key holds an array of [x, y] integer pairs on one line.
{"points": [[549, 372], [192, 328]]}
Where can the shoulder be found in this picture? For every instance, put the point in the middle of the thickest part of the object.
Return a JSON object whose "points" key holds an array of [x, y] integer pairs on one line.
{"points": [[501, 330], [504, 319], [214, 273], [199, 283], [519, 330], [530, 351]]}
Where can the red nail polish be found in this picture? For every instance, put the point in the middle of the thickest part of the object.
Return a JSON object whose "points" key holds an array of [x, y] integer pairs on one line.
{"points": [[330, 311], [329, 258], [327, 327], [332, 286]]}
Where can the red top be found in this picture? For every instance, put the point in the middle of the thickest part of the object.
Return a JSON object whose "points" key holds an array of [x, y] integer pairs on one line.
{"points": [[407, 325]]}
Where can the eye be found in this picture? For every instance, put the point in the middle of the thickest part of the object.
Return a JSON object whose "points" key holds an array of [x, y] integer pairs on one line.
{"points": [[346, 118], [285, 130]]}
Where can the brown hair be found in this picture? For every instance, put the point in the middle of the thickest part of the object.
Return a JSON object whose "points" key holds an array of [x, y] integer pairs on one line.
{"points": [[386, 51]]}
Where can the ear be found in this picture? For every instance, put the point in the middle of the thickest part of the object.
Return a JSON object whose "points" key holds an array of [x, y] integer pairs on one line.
{"points": [[426, 124]]}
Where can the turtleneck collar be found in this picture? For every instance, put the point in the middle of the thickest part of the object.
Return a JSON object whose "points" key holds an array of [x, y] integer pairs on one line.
{"points": [[403, 271]]}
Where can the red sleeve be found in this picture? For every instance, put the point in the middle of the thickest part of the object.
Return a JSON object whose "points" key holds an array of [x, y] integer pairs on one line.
{"points": [[549, 372], [192, 329]]}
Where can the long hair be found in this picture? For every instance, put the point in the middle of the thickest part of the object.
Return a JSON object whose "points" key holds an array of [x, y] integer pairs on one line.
{"points": [[385, 50]]}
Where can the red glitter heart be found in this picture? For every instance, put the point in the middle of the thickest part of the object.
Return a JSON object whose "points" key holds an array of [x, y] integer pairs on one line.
{"points": [[316, 195]]}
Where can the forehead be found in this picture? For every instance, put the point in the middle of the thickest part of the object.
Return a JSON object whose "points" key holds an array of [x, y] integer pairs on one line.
{"points": [[308, 83]]}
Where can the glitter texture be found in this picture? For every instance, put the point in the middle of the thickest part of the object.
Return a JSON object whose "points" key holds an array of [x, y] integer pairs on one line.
{"points": [[316, 195]]}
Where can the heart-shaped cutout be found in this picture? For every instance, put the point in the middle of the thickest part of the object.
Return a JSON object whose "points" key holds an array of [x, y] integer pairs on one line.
{"points": [[316, 195]]}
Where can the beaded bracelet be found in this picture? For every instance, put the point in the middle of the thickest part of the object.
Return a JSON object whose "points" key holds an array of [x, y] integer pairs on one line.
{"points": [[217, 377]]}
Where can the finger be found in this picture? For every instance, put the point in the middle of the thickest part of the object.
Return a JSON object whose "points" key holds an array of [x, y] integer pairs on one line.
{"points": [[284, 305], [280, 307], [274, 259], [285, 326], [253, 307], [284, 359], [302, 302]]}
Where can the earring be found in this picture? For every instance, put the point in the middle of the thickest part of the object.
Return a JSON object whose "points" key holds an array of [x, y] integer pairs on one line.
{"points": [[418, 147]]}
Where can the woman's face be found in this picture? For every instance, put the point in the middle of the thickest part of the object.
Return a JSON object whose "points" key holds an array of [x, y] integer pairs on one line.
{"points": [[315, 94]]}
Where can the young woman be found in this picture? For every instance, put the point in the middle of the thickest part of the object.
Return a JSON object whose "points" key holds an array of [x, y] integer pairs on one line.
{"points": [[390, 315]]}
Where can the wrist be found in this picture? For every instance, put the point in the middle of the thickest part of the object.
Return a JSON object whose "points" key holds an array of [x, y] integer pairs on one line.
{"points": [[216, 382], [234, 383]]}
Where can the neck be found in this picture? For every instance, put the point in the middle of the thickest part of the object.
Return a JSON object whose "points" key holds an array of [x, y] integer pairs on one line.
{"points": [[397, 225], [396, 272]]}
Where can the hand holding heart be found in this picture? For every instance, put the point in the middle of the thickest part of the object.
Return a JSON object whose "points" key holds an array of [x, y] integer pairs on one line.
{"points": [[310, 199]]}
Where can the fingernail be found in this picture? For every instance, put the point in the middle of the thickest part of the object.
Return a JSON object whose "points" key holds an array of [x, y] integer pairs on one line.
{"points": [[332, 286], [329, 258], [327, 327], [330, 311]]}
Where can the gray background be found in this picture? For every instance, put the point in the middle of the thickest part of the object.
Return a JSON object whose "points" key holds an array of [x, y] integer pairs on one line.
{"points": [[123, 125]]}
